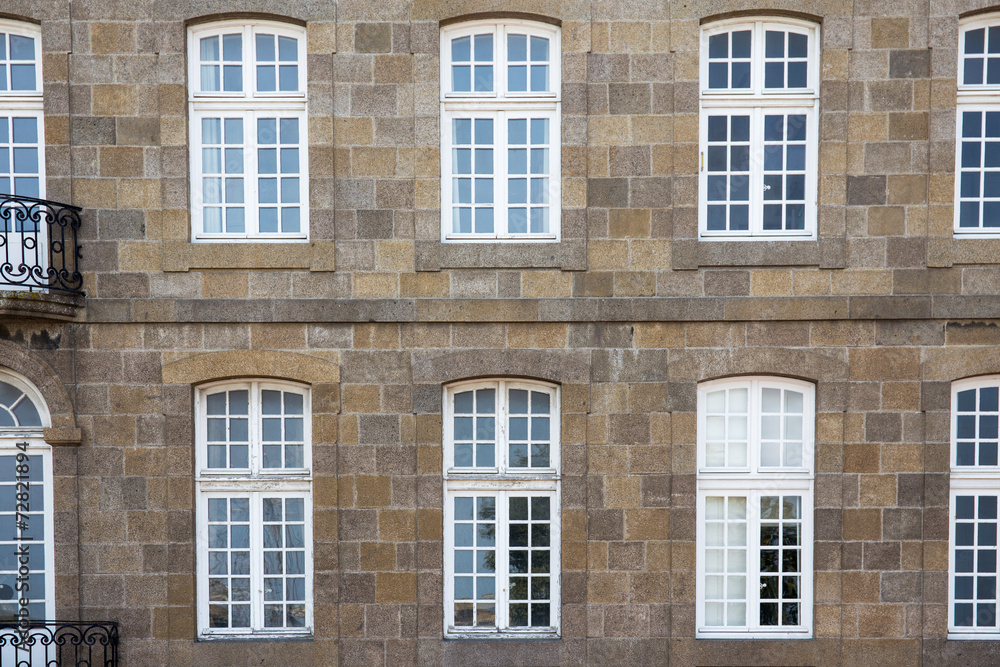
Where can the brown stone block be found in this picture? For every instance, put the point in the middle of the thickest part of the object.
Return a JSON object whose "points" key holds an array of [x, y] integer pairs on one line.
{"points": [[606, 588], [904, 457], [574, 555], [909, 126], [121, 161], [659, 428], [842, 333], [901, 396], [878, 490], [396, 587], [112, 37], [880, 620], [377, 556], [361, 398], [546, 284], [429, 525], [860, 587], [647, 524], [621, 491], [909, 189], [373, 491], [95, 193], [375, 285], [114, 100], [542, 335], [862, 524], [629, 223], [649, 587], [397, 525], [353, 131], [424, 285], [885, 364], [182, 622], [771, 283], [889, 33], [649, 255]]}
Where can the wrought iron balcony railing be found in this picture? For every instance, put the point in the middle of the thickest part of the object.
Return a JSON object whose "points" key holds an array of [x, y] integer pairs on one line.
{"points": [[59, 644], [38, 245]]}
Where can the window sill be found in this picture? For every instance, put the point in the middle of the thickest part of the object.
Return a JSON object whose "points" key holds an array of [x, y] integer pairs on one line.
{"points": [[182, 256], [801, 634], [566, 255], [827, 253], [504, 636], [258, 637]]}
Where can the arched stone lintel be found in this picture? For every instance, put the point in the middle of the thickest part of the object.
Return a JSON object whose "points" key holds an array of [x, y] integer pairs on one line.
{"points": [[793, 363], [62, 429], [950, 364], [251, 363], [559, 366]]}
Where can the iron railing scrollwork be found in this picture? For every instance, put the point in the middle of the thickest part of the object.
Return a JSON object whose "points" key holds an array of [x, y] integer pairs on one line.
{"points": [[59, 644], [38, 245]]}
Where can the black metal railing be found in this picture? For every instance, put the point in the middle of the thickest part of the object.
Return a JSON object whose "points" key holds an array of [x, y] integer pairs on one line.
{"points": [[38, 245], [59, 644]]}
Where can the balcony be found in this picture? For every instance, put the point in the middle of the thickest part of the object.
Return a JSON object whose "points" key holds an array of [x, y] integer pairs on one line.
{"points": [[39, 258], [59, 643]]}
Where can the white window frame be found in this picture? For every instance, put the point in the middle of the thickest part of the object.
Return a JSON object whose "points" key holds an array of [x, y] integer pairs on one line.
{"points": [[255, 483], [500, 105], [755, 102], [752, 482], [29, 440], [966, 480], [502, 482], [250, 104], [24, 104], [973, 97]]}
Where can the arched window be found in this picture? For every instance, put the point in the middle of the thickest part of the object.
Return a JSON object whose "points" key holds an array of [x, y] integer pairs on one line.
{"points": [[501, 515], [755, 515], [759, 135], [500, 136], [254, 509], [26, 535]]}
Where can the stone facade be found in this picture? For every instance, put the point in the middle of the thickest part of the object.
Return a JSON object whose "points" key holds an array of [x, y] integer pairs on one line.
{"points": [[628, 313]]}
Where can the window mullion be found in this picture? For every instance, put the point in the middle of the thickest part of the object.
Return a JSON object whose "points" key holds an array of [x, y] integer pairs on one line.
{"points": [[249, 71], [500, 62], [500, 435], [253, 429], [500, 185], [756, 171], [757, 59], [753, 561], [502, 560], [256, 562], [753, 428]]}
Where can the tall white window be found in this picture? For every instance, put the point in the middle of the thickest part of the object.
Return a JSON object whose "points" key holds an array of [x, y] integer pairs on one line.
{"points": [[755, 508], [25, 505], [22, 149], [500, 137], [249, 133], [759, 136], [975, 490], [254, 509], [977, 160], [501, 515]]}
